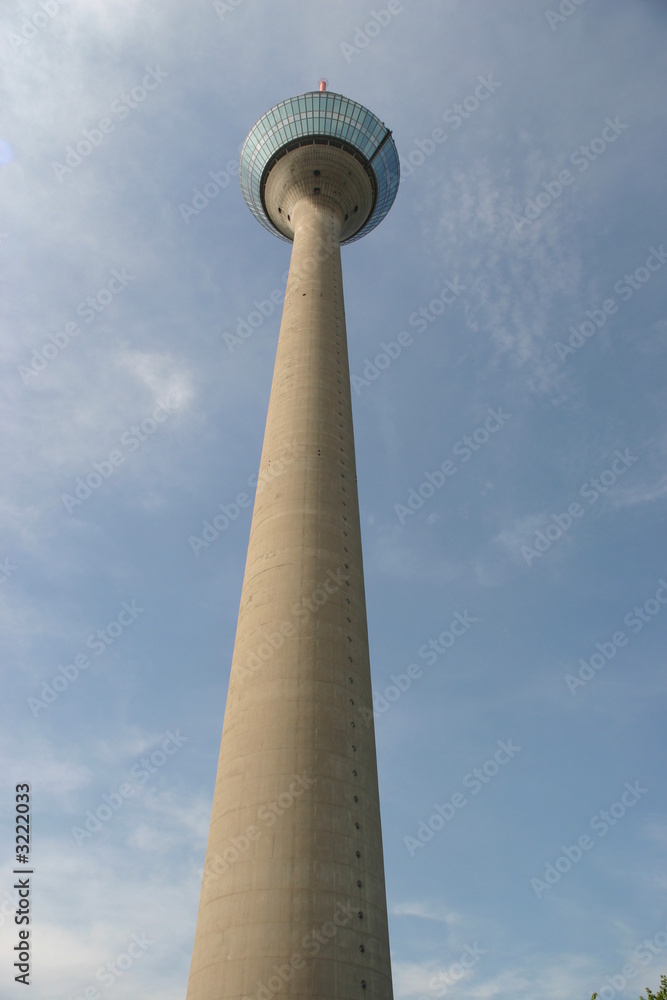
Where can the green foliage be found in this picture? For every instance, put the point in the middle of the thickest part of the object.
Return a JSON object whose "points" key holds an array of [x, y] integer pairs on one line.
{"points": [[650, 995], [662, 992]]}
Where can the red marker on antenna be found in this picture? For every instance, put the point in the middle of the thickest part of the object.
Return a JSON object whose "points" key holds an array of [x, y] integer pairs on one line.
{"points": [[323, 84]]}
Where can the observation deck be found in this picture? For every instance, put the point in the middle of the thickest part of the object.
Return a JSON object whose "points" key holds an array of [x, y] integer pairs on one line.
{"points": [[323, 145]]}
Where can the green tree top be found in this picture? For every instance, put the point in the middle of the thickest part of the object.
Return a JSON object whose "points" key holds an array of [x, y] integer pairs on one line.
{"points": [[650, 995]]}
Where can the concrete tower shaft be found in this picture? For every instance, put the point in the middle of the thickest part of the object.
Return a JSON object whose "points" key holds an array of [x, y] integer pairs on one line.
{"points": [[293, 900]]}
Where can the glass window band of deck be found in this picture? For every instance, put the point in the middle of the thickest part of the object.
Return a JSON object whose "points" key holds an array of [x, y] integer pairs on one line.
{"points": [[320, 116]]}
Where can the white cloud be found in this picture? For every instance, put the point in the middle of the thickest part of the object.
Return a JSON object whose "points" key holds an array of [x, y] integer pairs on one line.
{"points": [[426, 911]]}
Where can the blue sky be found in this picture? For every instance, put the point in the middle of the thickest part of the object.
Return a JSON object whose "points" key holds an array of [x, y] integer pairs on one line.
{"points": [[511, 473]]}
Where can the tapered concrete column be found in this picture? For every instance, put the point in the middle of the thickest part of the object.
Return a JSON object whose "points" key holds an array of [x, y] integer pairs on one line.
{"points": [[293, 896]]}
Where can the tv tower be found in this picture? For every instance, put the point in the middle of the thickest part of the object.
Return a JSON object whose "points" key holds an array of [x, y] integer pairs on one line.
{"points": [[293, 897]]}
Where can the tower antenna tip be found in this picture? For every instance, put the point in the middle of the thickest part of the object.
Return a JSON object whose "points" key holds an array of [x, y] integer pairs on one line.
{"points": [[323, 84]]}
